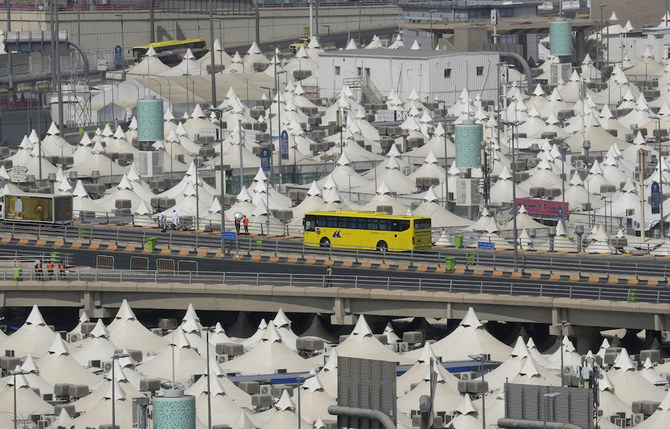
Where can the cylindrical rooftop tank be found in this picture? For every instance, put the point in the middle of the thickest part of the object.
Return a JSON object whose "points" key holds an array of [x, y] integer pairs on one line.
{"points": [[560, 37], [173, 410], [149, 119], [468, 139]]}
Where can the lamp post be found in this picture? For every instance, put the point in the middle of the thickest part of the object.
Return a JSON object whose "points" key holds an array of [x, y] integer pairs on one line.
{"points": [[481, 358], [222, 178], [446, 160], [547, 397], [660, 168], [115, 356], [209, 391], [14, 374], [561, 326], [512, 125], [602, 6], [562, 148], [211, 52], [123, 66]]}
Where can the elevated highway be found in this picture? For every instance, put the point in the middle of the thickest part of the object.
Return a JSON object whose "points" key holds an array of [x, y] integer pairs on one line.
{"points": [[101, 292]]}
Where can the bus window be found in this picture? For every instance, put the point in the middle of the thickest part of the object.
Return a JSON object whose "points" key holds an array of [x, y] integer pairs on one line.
{"points": [[373, 224], [351, 223], [400, 225], [331, 222], [422, 224], [361, 223], [384, 225], [310, 224]]}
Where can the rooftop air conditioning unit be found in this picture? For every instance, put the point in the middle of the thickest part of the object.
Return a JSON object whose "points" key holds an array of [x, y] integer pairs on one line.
{"points": [[94, 364], [466, 376], [222, 358], [637, 418], [266, 389], [73, 337], [106, 366], [403, 347]]}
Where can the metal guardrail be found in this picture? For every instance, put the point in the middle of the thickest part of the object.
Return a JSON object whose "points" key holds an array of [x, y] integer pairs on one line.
{"points": [[283, 246], [511, 288]]}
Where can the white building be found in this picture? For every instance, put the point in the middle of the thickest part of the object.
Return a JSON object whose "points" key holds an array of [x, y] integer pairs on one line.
{"points": [[433, 75]]}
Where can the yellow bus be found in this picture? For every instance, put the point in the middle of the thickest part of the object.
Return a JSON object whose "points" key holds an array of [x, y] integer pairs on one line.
{"points": [[367, 230], [172, 48]]}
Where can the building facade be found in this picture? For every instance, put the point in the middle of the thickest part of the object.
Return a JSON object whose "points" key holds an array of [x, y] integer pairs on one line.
{"points": [[432, 75]]}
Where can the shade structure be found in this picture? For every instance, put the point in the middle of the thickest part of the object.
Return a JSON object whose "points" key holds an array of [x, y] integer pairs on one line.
{"points": [[470, 337]]}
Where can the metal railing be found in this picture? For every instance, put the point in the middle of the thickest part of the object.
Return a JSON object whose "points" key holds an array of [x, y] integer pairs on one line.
{"points": [[496, 287], [287, 246]]}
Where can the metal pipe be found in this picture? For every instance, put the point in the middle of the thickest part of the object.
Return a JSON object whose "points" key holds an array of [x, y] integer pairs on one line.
{"points": [[9, 73], [533, 424], [364, 413], [524, 64]]}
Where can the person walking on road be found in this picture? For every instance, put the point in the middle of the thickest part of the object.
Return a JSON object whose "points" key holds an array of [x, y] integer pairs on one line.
{"points": [[162, 219], [329, 276], [175, 219], [245, 221], [237, 225]]}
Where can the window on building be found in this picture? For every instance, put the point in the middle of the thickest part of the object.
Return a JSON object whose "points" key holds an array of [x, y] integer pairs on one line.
{"points": [[447, 73], [337, 70], [480, 71]]}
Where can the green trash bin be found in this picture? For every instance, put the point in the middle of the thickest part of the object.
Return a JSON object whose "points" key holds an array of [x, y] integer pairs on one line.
{"points": [[259, 244], [82, 232], [458, 241], [54, 258], [18, 274], [151, 244], [450, 263], [471, 257]]}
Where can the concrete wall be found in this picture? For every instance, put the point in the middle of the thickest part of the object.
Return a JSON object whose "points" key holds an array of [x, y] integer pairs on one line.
{"points": [[103, 30]]}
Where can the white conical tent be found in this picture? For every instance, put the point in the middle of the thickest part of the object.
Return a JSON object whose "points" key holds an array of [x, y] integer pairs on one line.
{"points": [[314, 401], [127, 332], [445, 395], [470, 337], [26, 401], [33, 337], [362, 344], [629, 384], [268, 357], [179, 357], [417, 372], [59, 367]]}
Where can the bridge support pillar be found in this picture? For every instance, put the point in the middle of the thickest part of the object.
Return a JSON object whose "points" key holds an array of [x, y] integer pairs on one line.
{"points": [[341, 312], [586, 338], [661, 322], [90, 302]]}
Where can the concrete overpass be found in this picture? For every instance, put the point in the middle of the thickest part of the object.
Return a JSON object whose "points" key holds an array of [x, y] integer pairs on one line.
{"points": [[580, 308]]}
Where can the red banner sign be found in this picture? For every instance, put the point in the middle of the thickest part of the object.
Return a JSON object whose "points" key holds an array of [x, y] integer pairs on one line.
{"points": [[536, 206]]}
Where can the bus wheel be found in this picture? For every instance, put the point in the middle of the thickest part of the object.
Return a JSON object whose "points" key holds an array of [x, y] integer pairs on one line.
{"points": [[382, 246], [324, 242]]}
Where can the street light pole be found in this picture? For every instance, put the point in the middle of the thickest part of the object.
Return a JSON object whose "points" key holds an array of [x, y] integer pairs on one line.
{"points": [[562, 325], [211, 50], [512, 125], [123, 65], [115, 357], [14, 374], [602, 6], [481, 358], [209, 390]]}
